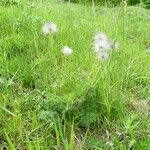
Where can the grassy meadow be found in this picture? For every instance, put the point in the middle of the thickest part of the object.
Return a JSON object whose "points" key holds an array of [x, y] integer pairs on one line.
{"points": [[49, 101]]}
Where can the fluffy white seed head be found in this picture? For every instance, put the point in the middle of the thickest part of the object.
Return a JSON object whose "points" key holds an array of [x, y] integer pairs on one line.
{"points": [[102, 45], [49, 28], [101, 42], [67, 51]]}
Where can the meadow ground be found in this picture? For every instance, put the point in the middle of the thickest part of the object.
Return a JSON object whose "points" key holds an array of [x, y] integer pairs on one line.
{"points": [[50, 101]]}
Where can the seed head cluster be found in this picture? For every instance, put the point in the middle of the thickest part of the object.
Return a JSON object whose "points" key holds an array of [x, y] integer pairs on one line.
{"points": [[102, 45], [67, 51], [49, 28]]}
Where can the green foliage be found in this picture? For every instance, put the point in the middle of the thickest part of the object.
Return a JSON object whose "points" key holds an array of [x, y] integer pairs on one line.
{"points": [[9, 2], [87, 119], [133, 2], [113, 2], [49, 101], [146, 3], [47, 115], [144, 144]]}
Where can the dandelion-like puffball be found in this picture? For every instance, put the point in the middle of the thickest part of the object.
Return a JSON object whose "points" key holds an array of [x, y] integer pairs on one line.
{"points": [[103, 55], [67, 51], [101, 42], [49, 28], [102, 45]]}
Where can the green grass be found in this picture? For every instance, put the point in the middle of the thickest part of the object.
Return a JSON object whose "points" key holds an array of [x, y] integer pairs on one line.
{"points": [[49, 101]]}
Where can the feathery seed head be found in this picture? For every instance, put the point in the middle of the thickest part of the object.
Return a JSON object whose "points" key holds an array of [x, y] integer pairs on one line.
{"points": [[101, 42], [49, 28], [67, 51]]}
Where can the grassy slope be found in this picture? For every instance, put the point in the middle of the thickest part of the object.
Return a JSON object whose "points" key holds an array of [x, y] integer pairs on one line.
{"points": [[38, 84]]}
